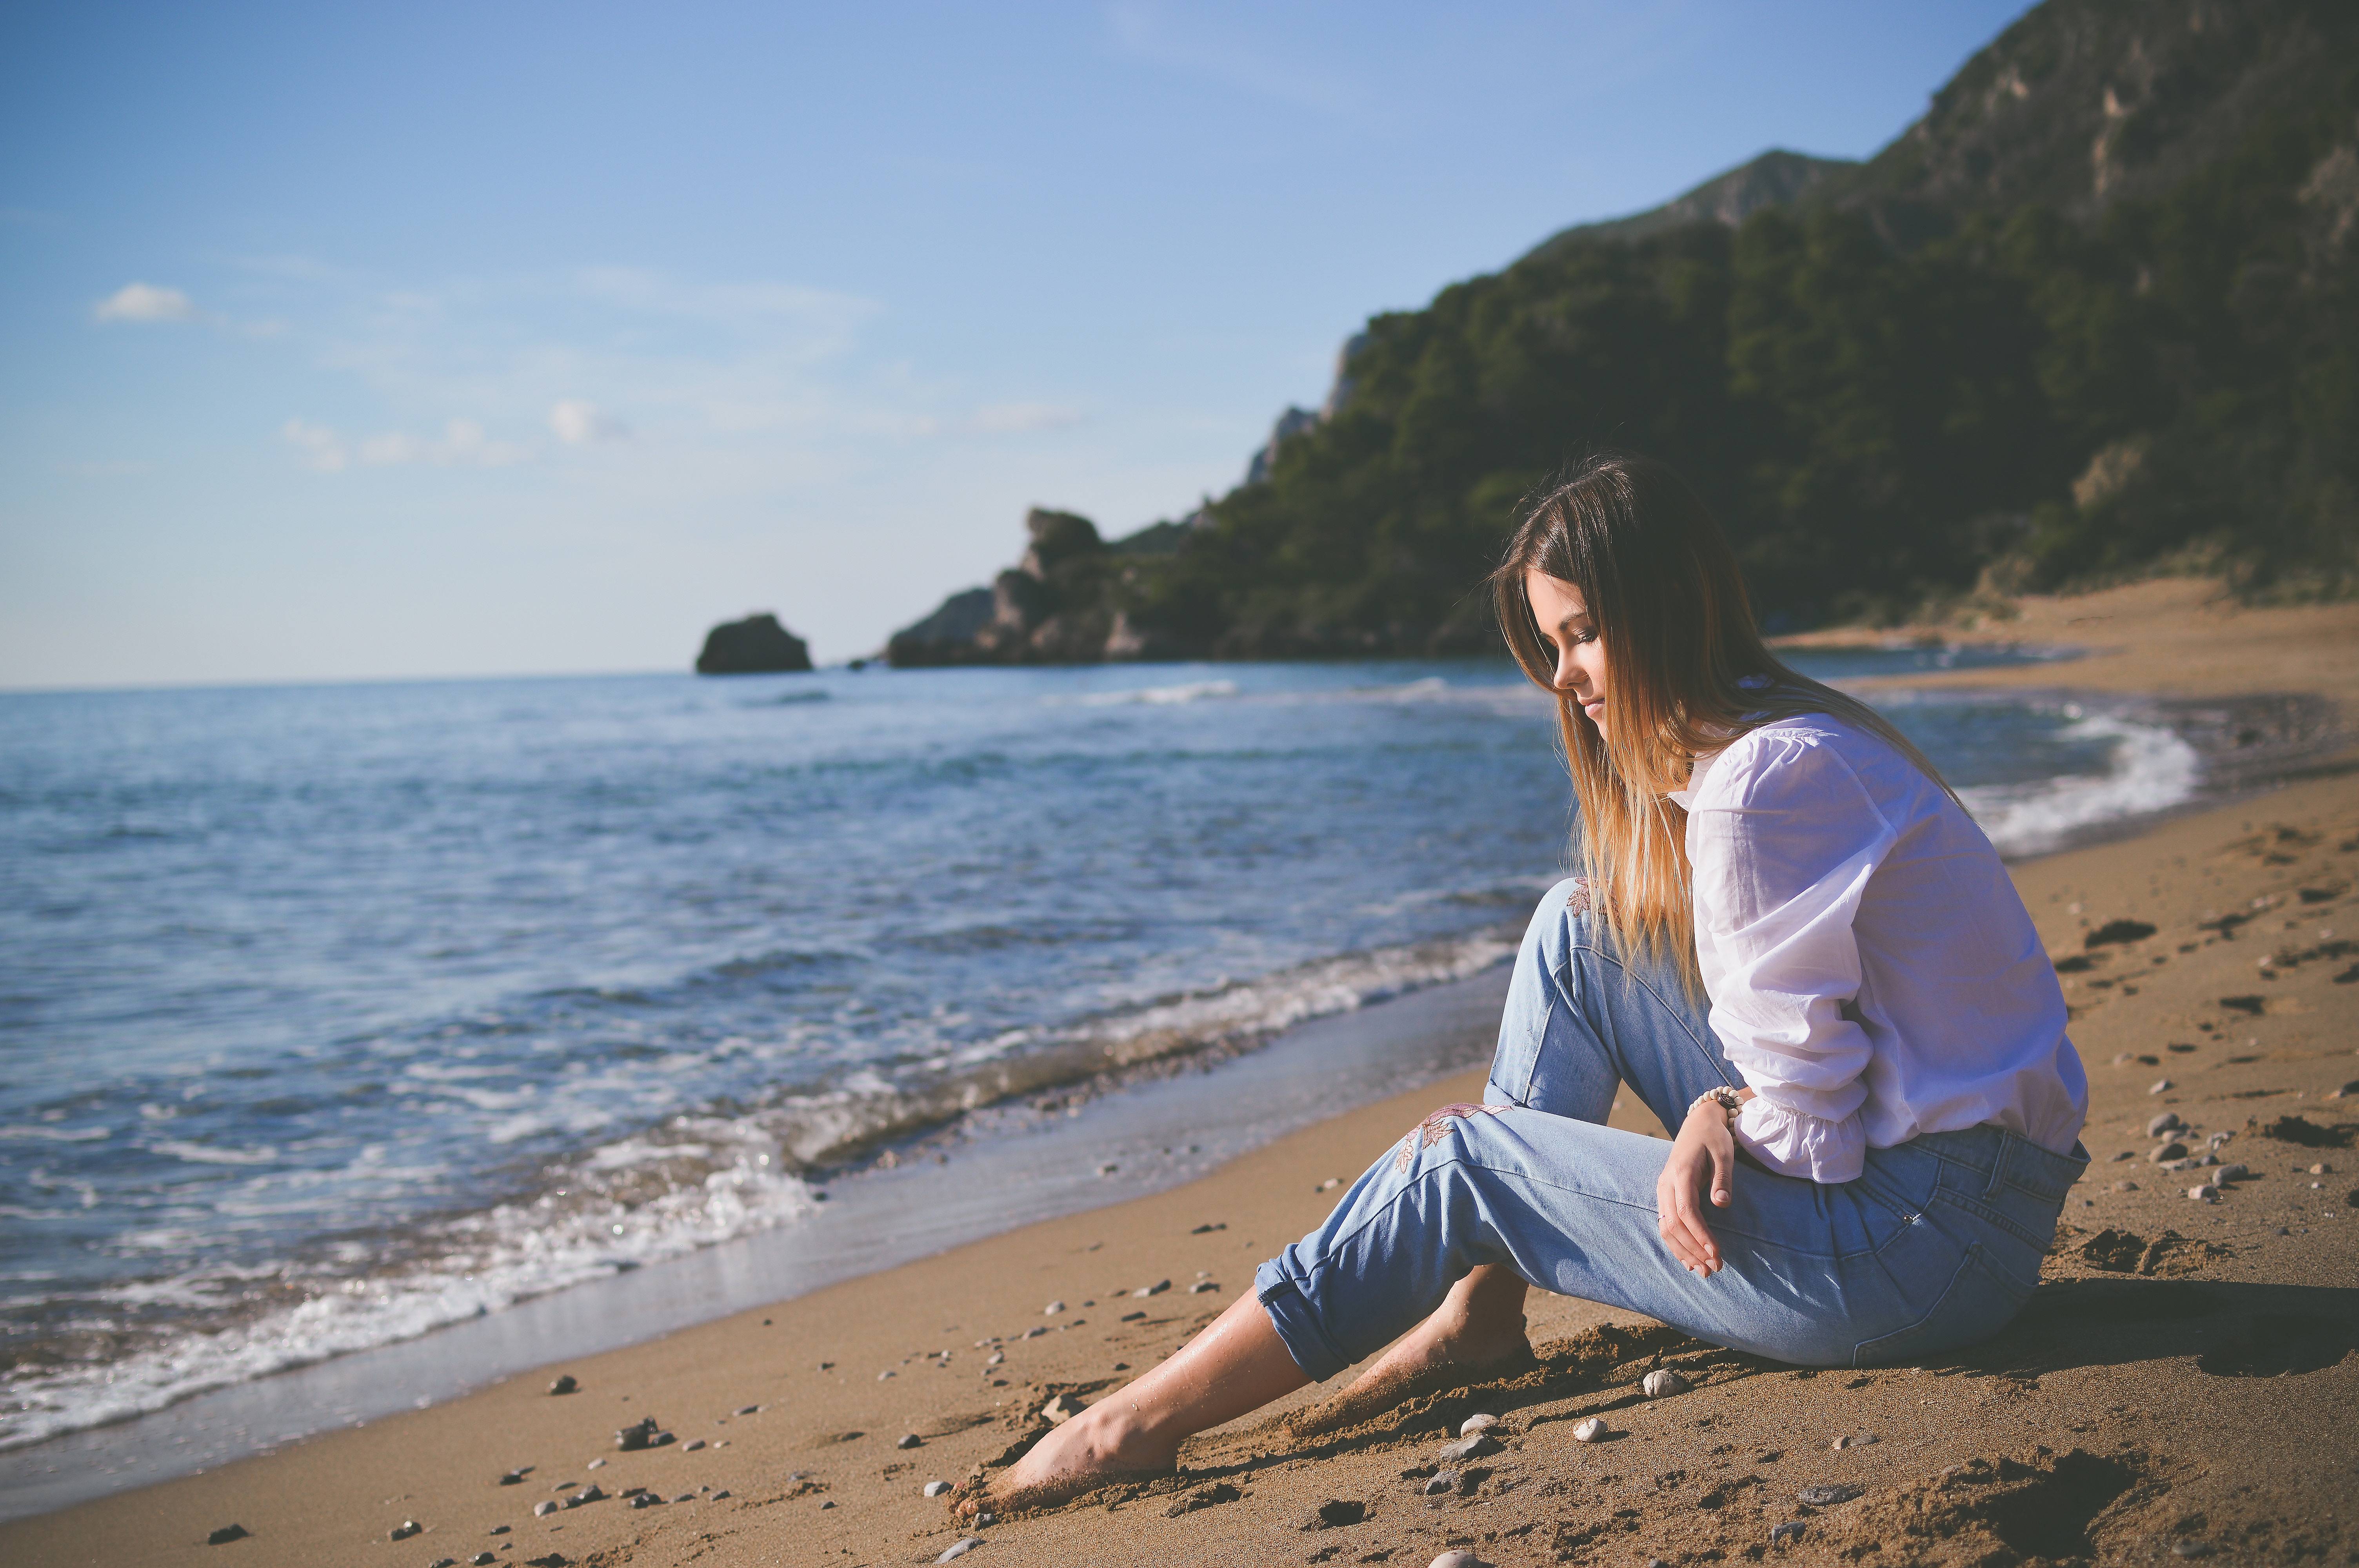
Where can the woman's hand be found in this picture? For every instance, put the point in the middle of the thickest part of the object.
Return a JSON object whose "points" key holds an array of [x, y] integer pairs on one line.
{"points": [[1702, 1156]]}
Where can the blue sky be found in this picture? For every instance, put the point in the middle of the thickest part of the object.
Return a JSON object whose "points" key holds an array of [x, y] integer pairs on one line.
{"points": [[358, 341]]}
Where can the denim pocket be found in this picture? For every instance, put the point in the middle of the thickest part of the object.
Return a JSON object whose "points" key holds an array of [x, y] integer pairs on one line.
{"points": [[1977, 1303]]}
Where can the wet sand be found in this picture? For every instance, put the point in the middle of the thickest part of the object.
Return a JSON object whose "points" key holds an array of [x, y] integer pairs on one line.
{"points": [[2181, 1379]]}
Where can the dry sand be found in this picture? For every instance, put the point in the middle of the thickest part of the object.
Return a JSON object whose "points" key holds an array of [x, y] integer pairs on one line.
{"points": [[2181, 1386]]}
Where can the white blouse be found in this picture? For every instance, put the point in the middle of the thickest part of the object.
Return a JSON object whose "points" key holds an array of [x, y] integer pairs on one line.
{"points": [[1872, 970]]}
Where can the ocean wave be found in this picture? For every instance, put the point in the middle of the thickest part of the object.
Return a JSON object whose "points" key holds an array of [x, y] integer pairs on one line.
{"points": [[1186, 691], [690, 1183], [2151, 769]]}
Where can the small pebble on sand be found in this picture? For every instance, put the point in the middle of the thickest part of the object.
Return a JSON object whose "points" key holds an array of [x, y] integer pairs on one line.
{"points": [[751, 1410], [936, 1489], [226, 1534], [2167, 1122], [1459, 1560], [1827, 1496], [1472, 1447], [2125, 1186], [826, 1505], [595, 1465], [1156, 1289], [909, 1439], [1478, 1421], [1200, 1286], [1034, 1332], [2161, 1086], [2163, 1153], [1052, 1309], [1588, 1431], [1441, 1481], [542, 1511], [1663, 1383], [564, 1385], [406, 1528], [1786, 1533], [882, 1376], [483, 1559], [2206, 1193], [958, 1548]]}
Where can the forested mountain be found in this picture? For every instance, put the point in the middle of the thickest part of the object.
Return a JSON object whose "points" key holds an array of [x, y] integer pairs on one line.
{"points": [[2096, 312]]}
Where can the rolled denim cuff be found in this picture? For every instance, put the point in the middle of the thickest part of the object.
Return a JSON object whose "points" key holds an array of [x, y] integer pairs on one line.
{"points": [[1298, 1326]]}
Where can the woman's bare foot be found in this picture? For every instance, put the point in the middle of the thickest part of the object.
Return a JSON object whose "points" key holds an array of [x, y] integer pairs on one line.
{"points": [[1237, 1363], [1476, 1333], [1097, 1448]]}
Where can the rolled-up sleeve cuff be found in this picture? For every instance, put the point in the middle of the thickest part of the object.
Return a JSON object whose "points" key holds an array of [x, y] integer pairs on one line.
{"points": [[1793, 1143], [1297, 1325]]}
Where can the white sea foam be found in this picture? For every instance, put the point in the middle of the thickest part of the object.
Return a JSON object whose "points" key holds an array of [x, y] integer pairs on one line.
{"points": [[1188, 691], [691, 1184], [2150, 770]]}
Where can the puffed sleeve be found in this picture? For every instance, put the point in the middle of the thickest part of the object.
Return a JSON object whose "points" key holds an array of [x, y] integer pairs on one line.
{"points": [[1782, 841]]}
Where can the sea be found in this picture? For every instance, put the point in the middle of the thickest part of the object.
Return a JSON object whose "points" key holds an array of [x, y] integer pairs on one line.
{"points": [[333, 1015]]}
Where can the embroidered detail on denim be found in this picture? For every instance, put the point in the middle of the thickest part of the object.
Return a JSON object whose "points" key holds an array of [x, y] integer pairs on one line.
{"points": [[1577, 901], [1431, 1131]]}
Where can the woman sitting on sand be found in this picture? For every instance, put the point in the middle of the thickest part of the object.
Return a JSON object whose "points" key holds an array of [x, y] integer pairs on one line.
{"points": [[1789, 940]]}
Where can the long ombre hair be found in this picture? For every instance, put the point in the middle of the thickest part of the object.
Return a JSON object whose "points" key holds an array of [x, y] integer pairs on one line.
{"points": [[1686, 673]]}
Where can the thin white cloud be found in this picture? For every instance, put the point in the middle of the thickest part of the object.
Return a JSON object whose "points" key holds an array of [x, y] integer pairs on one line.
{"points": [[578, 422], [321, 448], [462, 444], [1018, 418], [1144, 31], [145, 302]]}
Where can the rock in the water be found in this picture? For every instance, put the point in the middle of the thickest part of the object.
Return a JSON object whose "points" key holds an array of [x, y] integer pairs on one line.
{"points": [[226, 1534], [565, 1385], [406, 1528], [755, 646], [1827, 1496], [1588, 1431], [909, 1439], [1476, 1423], [936, 1489], [1441, 1481], [958, 1548], [1472, 1447], [1786, 1534], [1663, 1383]]}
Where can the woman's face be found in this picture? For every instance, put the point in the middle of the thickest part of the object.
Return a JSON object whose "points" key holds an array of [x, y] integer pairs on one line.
{"points": [[1568, 633]]}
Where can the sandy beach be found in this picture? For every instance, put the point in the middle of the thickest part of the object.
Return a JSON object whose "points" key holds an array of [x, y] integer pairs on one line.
{"points": [[2180, 1384]]}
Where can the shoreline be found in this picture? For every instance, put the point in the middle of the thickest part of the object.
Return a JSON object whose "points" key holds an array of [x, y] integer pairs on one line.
{"points": [[1354, 1128], [2063, 1379], [896, 1183]]}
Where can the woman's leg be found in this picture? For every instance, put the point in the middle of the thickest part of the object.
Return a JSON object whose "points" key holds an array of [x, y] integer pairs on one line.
{"points": [[1578, 1022]]}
